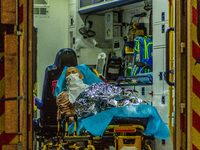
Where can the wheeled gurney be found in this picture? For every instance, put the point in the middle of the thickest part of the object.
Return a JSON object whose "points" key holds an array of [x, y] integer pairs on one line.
{"points": [[127, 129], [132, 128]]}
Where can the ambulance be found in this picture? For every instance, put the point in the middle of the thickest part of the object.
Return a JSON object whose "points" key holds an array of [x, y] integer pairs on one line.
{"points": [[148, 46]]}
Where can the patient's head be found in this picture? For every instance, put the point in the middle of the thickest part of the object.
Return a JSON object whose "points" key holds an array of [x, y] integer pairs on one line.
{"points": [[72, 75], [73, 70]]}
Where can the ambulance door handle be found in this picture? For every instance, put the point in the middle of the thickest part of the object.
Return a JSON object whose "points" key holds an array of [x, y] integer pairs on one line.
{"points": [[167, 57]]}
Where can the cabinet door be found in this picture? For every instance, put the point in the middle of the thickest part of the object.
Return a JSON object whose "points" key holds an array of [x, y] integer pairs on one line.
{"points": [[160, 11], [72, 13], [84, 3], [159, 34], [158, 70]]}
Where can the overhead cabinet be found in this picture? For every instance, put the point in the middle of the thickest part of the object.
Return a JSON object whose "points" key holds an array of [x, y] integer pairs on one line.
{"points": [[91, 6]]}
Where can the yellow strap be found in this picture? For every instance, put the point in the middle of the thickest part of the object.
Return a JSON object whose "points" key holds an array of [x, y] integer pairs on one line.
{"points": [[137, 47], [146, 49], [95, 72]]}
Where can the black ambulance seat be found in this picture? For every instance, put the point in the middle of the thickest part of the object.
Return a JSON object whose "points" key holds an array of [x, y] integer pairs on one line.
{"points": [[48, 120]]}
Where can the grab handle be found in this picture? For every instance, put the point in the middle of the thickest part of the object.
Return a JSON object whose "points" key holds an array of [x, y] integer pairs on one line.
{"points": [[167, 57]]}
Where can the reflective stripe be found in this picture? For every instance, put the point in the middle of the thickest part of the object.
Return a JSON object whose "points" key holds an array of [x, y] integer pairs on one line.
{"points": [[146, 49], [195, 78]]}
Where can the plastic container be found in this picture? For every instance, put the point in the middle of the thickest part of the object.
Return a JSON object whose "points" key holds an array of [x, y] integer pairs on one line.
{"points": [[129, 49]]}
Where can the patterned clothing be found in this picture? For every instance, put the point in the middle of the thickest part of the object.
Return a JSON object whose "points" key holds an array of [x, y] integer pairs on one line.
{"points": [[64, 106]]}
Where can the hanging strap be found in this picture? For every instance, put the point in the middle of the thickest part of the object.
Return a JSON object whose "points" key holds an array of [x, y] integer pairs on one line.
{"points": [[146, 50], [137, 48]]}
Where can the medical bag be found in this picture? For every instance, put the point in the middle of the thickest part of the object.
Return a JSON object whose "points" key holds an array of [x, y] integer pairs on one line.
{"points": [[143, 48]]}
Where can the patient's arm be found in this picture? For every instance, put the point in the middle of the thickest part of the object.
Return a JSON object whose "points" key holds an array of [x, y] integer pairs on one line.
{"points": [[64, 106]]}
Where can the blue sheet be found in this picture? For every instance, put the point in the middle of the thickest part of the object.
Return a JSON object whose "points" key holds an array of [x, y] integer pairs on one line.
{"points": [[89, 78], [98, 123]]}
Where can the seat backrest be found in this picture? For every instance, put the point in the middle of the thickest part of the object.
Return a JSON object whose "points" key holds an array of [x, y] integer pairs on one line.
{"points": [[65, 57]]}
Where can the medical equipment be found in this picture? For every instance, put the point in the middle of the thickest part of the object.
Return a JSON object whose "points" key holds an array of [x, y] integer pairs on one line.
{"points": [[113, 27], [86, 31], [101, 62], [114, 68]]}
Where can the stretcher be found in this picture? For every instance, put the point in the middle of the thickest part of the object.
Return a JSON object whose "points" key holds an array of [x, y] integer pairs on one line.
{"points": [[131, 129], [120, 136]]}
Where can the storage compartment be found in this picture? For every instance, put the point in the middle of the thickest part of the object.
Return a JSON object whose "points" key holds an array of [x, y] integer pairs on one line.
{"points": [[159, 34], [84, 3], [158, 71]]}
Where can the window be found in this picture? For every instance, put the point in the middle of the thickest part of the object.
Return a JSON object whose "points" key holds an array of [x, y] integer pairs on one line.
{"points": [[41, 8], [41, 11]]}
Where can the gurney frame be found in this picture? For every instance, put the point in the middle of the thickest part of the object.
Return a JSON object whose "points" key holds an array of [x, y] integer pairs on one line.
{"points": [[118, 136]]}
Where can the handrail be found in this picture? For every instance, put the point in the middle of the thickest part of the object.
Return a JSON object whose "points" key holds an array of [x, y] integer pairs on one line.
{"points": [[167, 57], [125, 78]]}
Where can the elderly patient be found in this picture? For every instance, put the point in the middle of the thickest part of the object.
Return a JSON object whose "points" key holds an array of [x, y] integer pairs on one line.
{"points": [[91, 99], [75, 86]]}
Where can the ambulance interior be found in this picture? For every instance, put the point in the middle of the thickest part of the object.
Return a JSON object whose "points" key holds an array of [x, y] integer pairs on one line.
{"points": [[128, 43]]}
